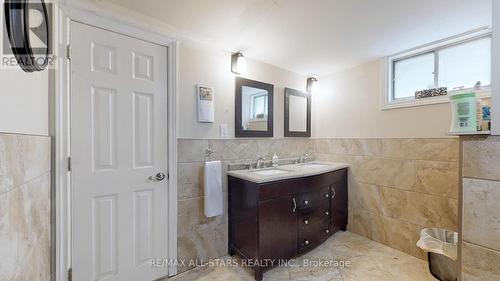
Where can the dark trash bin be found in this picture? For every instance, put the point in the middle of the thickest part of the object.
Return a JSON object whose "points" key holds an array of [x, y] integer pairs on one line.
{"points": [[441, 246]]}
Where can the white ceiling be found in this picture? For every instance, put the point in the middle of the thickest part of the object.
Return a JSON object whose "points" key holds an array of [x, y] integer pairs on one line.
{"points": [[317, 37]]}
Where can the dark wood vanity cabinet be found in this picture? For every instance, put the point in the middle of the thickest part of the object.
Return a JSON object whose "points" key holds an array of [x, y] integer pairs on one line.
{"points": [[283, 219]]}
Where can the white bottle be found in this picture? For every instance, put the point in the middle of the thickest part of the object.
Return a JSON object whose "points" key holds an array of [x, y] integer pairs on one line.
{"points": [[275, 160]]}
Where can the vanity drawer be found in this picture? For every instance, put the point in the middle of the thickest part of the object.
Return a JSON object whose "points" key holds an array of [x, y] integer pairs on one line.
{"points": [[313, 200], [313, 237], [315, 219]]}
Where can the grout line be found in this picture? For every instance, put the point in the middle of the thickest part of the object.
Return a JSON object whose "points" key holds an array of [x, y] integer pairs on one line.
{"points": [[482, 179], [481, 246], [25, 183]]}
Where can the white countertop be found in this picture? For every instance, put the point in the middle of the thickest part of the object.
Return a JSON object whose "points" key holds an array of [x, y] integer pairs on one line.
{"points": [[288, 171]]}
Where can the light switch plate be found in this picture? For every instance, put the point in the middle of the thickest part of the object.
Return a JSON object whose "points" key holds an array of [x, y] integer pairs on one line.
{"points": [[223, 131]]}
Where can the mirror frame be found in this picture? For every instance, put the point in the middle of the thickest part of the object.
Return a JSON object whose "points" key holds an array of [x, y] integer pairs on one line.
{"points": [[239, 132], [292, 92]]}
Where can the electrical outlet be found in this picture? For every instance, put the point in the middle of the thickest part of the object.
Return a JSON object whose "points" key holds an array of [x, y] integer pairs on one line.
{"points": [[223, 131]]}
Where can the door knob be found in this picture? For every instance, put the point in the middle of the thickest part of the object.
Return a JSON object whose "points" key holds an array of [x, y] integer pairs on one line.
{"points": [[306, 202], [327, 231], [306, 242], [306, 222], [157, 177], [327, 195], [327, 213]]}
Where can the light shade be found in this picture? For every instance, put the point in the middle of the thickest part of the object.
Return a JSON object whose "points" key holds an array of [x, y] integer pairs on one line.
{"points": [[311, 85], [238, 63]]}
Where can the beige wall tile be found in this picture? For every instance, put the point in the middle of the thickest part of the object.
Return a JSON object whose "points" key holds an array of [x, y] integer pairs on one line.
{"points": [[480, 159], [367, 224], [25, 231], [191, 150], [357, 147], [420, 209], [403, 236], [201, 245], [481, 212], [385, 172], [322, 146], [421, 149], [189, 180], [191, 215], [364, 196], [437, 178], [22, 158], [479, 263]]}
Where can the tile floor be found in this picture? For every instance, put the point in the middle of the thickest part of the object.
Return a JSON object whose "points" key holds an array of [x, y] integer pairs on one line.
{"points": [[369, 261]]}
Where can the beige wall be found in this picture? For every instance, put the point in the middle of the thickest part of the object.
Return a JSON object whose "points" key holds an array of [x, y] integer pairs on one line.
{"points": [[203, 64], [481, 209], [347, 105]]}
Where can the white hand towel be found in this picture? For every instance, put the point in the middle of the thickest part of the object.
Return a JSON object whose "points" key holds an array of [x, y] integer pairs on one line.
{"points": [[213, 189]]}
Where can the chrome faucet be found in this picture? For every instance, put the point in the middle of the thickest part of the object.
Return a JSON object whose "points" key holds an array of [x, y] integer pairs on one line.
{"points": [[303, 158], [261, 163]]}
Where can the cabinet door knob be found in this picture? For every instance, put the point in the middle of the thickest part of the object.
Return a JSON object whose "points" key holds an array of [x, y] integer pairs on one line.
{"points": [[306, 242], [306, 202], [327, 231], [327, 213], [327, 195], [306, 222]]}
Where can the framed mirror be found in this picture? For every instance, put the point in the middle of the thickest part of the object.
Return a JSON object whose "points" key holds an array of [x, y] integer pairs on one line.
{"points": [[253, 108], [297, 113]]}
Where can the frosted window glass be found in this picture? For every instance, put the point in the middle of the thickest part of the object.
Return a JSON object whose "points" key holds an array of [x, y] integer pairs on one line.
{"points": [[465, 64], [413, 74]]}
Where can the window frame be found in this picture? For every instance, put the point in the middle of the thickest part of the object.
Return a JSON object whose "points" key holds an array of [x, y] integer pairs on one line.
{"points": [[388, 83], [252, 104]]}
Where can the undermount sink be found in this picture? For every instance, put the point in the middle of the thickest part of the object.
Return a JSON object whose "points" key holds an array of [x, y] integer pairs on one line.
{"points": [[270, 172], [312, 165]]}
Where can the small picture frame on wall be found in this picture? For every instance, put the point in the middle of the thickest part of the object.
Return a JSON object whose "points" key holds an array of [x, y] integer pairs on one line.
{"points": [[205, 98]]}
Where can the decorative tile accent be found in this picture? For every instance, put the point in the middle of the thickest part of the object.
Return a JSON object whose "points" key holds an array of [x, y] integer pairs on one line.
{"points": [[443, 91]]}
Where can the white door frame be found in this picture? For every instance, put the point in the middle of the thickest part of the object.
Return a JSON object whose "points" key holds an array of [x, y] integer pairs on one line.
{"points": [[61, 126]]}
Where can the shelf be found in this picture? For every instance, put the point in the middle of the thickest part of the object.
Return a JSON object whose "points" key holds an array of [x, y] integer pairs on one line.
{"points": [[478, 133]]}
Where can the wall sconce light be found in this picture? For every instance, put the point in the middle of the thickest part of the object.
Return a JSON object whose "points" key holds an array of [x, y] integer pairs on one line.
{"points": [[238, 63], [312, 84]]}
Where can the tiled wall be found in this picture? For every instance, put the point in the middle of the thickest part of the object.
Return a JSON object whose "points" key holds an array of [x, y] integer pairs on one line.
{"points": [[481, 209], [202, 238], [398, 186], [24, 207]]}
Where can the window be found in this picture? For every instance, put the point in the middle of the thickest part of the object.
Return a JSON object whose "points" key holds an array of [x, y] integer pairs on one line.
{"points": [[259, 106], [458, 63]]}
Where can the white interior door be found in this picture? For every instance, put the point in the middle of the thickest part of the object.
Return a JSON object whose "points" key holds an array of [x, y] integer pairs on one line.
{"points": [[118, 156]]}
